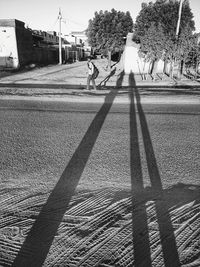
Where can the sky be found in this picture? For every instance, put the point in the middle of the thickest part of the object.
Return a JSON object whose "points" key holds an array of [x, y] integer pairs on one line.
{"points": [[43, 14]]}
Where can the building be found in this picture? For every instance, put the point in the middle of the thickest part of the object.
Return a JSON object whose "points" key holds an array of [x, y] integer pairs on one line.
{"points": [[20, 46], [42, 38], [15, 43], [80, 37]]}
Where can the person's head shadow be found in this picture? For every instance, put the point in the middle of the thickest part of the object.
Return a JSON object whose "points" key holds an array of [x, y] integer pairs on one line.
{"points": [[44, 229], [140, 194]]}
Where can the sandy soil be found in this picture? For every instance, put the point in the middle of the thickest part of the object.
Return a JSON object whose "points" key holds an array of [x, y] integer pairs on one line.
{"points": [[104, 227]]}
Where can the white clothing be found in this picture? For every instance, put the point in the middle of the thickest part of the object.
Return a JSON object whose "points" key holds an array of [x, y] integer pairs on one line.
{"points": [[90, 68]]}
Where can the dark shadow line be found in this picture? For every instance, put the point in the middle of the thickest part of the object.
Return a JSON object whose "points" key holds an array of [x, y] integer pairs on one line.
{"points": [[65, 85], [141, 244], [38, 242], [104, 81], [167, 237]]}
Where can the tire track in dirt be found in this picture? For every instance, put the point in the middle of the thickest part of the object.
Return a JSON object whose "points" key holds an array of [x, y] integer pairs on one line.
{"points": [[97, 229]]}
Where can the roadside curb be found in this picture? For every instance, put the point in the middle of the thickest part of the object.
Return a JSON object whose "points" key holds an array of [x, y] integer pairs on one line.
{"points": [[102, 99], [52, 84]]}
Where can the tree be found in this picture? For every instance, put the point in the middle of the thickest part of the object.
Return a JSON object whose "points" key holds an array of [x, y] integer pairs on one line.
{"points": [[153, 45], [106, 31], [193, 58], [155, 30]]}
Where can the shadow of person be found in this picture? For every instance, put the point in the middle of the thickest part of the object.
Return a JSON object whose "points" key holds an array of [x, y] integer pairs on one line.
{"points": [[142, 255], [38, 242], [113, 71]]}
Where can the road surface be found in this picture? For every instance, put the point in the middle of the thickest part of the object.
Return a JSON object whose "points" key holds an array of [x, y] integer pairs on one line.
{"points": [[99, 184]]}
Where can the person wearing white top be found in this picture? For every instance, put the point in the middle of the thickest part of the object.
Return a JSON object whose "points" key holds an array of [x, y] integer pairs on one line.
{"points": [[90, 74]]}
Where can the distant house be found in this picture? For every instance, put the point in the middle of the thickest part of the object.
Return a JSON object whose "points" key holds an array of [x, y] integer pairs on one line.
{"points": [[70, 39], [79, 39], [80, 36]]}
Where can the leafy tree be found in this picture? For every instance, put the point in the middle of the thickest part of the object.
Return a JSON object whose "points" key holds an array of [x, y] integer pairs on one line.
{"points": [[153, 45], [106, 31], [193, 57], [155, 30]]}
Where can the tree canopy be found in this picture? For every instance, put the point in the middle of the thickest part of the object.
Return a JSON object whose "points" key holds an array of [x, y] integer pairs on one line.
{"points": [[155, 30], [106, 31]]}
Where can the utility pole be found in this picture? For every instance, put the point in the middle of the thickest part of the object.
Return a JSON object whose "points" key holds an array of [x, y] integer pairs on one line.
{"points": [[177, 35], [179, 18], [60, 40]]}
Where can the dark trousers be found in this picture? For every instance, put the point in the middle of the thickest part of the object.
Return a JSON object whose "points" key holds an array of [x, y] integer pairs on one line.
{"points": [[90, 78]]}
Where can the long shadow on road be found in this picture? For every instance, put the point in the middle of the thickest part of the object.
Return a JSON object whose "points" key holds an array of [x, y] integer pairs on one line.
{"points": [[142, 256], [38, 242], [139, 219]]}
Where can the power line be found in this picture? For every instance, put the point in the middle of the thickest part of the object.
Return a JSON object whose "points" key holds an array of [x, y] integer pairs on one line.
{"points": [[55, 23], [77, 23]]}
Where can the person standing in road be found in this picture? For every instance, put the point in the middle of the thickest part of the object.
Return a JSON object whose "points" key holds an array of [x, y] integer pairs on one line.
{"points": [[90, 66]]}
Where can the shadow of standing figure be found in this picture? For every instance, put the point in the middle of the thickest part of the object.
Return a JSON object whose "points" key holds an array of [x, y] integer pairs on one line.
{"points": [[141, 242], [43, 231]]}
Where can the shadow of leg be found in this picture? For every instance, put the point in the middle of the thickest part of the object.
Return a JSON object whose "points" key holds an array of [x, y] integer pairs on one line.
{"points": [[167, 237], [141, 245]]}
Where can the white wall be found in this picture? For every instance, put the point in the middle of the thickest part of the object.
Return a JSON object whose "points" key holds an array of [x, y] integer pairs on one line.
{"points": [[131, 60], [8, 48]]}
